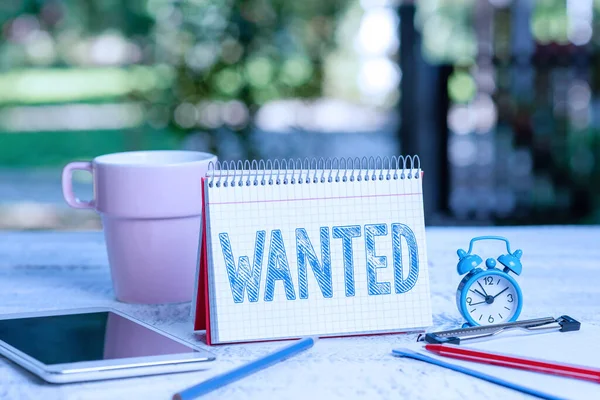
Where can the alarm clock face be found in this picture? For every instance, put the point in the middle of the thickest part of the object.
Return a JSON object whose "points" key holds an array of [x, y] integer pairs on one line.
{"points": [[490, 297]]}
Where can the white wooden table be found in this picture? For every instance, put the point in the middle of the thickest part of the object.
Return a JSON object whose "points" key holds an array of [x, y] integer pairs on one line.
{"points": [[47, 271]]}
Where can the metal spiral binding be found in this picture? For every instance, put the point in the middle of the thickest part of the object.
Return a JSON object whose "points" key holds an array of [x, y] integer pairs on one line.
{"points": [[297, 172]]}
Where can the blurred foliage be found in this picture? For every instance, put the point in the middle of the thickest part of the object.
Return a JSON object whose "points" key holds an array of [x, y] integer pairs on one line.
{"points": [[234, 56], [214, 62], [447, 28]]}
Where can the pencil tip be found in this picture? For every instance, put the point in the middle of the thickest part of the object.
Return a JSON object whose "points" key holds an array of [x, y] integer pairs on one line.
{"points": [[402, 352]]}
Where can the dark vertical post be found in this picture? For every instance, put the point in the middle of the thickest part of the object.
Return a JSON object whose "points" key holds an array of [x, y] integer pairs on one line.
{"points": [[408, 85], [441, 154], [423, 110]]}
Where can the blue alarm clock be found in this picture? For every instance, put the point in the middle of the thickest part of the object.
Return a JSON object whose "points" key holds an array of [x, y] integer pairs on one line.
{"points": [[491, 295]]}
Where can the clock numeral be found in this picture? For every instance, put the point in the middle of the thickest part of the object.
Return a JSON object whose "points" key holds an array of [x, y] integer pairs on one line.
{"points": [[488, 280], [491, 320], [510, 297], [469, 300]]}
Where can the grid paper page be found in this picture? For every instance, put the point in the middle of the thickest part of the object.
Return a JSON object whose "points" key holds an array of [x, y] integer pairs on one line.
{"points": [[319, 258]]}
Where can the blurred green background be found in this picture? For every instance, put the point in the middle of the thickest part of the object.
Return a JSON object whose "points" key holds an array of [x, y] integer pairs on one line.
{"points": [[83, 78], [499, 97]]}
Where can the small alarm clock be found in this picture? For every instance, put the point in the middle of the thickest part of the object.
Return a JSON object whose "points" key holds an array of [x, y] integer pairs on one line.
{"points": [[491, 295]]}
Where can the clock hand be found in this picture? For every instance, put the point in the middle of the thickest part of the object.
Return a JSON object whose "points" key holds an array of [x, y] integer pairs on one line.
{"points": [[478, 292], [474, 304], [501, 292], [482, 288]]}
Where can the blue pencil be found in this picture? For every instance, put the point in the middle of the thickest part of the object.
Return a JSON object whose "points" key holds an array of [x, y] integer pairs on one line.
{"points": [[245, 370], [421, 357]]}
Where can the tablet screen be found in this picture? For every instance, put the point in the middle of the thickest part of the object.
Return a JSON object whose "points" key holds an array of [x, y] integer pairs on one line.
{"points": [[60, 339]]}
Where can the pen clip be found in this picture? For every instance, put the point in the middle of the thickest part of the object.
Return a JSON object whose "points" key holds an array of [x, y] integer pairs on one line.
{"points": [[478, 333]]}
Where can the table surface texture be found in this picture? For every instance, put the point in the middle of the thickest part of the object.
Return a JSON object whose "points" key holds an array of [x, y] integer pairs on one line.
{"points": [[59, 270]]}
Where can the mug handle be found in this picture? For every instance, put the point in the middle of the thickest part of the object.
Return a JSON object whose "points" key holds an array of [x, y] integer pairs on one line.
{"points": [[67, 184]]}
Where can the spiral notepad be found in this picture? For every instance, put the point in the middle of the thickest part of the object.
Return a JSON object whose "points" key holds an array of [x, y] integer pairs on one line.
{"points": [[314, 247]]}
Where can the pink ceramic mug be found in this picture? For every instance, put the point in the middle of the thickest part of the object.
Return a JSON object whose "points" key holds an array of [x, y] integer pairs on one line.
{"points": [[150, 203]]}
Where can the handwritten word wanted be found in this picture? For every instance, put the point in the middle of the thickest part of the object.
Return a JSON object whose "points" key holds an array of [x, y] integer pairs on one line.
{"points": [[246, 277]]}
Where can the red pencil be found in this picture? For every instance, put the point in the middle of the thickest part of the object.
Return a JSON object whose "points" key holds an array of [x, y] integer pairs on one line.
{"points": [[545, 367]]}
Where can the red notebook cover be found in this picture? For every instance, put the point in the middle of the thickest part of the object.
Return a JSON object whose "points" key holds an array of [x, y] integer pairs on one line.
{"points": [[202, 317]]}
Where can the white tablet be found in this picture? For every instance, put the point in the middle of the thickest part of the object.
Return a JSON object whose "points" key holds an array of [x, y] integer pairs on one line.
{"points": [[93, 344]]}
